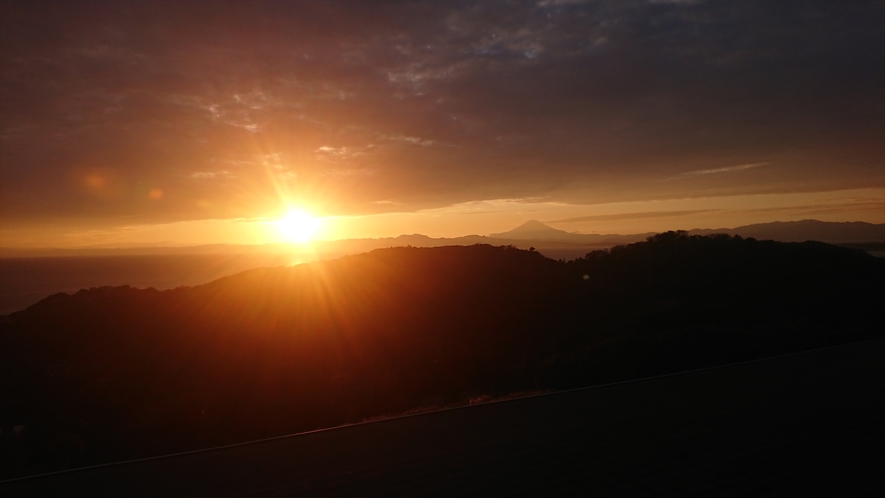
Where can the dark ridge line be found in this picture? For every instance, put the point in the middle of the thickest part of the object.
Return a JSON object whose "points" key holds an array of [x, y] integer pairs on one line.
{"points": [[397, 417]]}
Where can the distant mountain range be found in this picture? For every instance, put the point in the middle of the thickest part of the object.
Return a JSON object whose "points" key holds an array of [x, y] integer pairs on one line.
{"points": [[535, 231], [855, 232], [792, 231], [548, 240]]}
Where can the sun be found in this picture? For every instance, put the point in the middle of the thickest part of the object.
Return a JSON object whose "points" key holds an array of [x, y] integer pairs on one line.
{"points": [[298, 226]]}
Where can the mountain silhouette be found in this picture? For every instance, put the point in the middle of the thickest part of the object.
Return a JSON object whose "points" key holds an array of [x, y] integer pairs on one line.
{"points": [[115, 373], [800, 231], [533, 229], [33, 275], [532, 232]]}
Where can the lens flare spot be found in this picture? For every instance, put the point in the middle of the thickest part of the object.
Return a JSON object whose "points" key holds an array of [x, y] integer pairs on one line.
{"points": [[95, 182], [156, 194]]}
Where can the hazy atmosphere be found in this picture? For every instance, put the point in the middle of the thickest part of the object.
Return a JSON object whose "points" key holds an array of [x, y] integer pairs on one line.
{"points": [[183, 123]]}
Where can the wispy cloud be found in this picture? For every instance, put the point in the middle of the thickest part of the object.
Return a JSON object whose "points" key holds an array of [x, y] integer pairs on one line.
{"points": [[631, 216], [728, 169], [412, 140], [211, 175], [822, 208], [327, 152]]}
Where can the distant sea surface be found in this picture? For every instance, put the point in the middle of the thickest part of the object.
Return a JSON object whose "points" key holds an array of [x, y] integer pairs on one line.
{"points": [[25, 281]]}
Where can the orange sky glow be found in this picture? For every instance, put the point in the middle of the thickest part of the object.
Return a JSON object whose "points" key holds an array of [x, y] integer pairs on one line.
{"points": [[189, 123]]}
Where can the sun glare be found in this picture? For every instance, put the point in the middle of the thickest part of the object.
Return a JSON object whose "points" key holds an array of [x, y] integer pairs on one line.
{"points": [[298, 226]]}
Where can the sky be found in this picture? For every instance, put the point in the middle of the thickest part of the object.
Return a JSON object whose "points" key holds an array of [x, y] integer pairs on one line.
{"points": [[180, 123]]}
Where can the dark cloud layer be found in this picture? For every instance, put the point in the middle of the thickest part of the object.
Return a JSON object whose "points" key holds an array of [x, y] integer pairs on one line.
{"points": [[165, 111]]}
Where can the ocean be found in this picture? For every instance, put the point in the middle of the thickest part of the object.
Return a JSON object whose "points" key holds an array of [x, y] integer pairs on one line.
{"points": [[25, 281]]}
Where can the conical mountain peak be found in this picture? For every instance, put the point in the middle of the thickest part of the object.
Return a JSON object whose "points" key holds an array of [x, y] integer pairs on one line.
{"points": [[533, 226], [533, 230]]}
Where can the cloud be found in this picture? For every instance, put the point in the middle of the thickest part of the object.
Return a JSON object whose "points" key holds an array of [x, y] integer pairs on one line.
{"points": [[676, 2], [211, 175], [632, 216], [425, 142], [326, 152], [728, 169], [442, 102], [822, 208]]}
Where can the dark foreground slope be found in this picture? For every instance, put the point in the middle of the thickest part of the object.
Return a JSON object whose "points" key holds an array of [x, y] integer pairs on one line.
{"points": [[117, 373], [796, 425]]}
